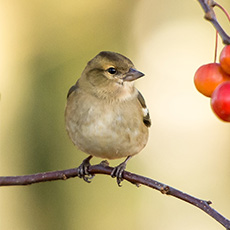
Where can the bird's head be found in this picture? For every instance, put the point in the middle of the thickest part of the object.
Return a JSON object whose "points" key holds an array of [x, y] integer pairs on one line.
{"points": [[110, 73]]}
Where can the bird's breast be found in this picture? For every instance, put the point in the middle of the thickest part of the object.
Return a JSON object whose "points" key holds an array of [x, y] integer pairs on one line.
{"points": [[106, 129]]}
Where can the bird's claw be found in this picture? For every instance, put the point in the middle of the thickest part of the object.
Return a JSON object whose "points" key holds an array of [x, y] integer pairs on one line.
{"points": [[82, 170], [118, 173]]}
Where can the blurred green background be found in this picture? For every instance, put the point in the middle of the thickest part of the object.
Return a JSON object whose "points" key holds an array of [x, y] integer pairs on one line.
{"points": [[44, 47]]}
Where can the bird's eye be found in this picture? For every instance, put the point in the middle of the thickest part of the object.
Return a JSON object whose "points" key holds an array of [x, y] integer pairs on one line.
{"points": [[112, 70]]}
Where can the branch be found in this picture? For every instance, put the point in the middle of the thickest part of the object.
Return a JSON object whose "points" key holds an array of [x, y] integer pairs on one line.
{"points": [[207, 6], [131, 177]]}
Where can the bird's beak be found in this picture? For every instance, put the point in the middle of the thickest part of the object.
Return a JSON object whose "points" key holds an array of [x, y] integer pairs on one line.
{"points": [[132, 75]]}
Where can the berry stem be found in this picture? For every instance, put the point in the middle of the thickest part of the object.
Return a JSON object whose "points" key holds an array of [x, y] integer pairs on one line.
{"points": [[216, 45], [222, 8], [228, 16]]}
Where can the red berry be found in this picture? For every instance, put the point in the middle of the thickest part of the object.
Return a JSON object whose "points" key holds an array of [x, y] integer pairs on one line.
{"points": [[225, 59], [208, 77], [220, 101]]}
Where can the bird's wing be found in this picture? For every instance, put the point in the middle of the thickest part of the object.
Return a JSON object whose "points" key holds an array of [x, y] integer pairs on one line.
{"points": [[72, 89], [146, 117]]}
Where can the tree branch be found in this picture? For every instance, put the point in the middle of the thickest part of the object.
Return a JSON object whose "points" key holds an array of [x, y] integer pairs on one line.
{"points": [[204, 205], [131, 177], [207, 6]]}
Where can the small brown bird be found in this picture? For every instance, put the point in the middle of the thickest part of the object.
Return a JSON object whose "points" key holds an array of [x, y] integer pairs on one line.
{"points": [[106, 116]]}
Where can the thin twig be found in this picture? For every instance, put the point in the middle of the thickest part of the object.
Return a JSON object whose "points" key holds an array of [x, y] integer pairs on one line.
{"points": [[131, 177], [207, 6]]}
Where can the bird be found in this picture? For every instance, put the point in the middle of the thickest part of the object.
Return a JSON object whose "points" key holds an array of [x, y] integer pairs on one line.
{"points": [[105, 115]]}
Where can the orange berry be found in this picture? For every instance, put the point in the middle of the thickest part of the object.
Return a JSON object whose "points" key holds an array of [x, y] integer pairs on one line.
{"points": [[225, 59], [208, 77]]}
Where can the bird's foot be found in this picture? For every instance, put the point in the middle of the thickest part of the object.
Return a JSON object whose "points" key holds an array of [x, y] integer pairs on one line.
{"points": [[118, 171], [82, 170]]}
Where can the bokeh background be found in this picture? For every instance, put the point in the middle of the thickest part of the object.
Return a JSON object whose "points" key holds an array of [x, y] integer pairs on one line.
{"points": [[44, 47]]}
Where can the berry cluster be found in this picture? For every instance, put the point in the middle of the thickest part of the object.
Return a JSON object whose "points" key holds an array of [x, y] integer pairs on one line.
{"points": [[213, 80]]}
